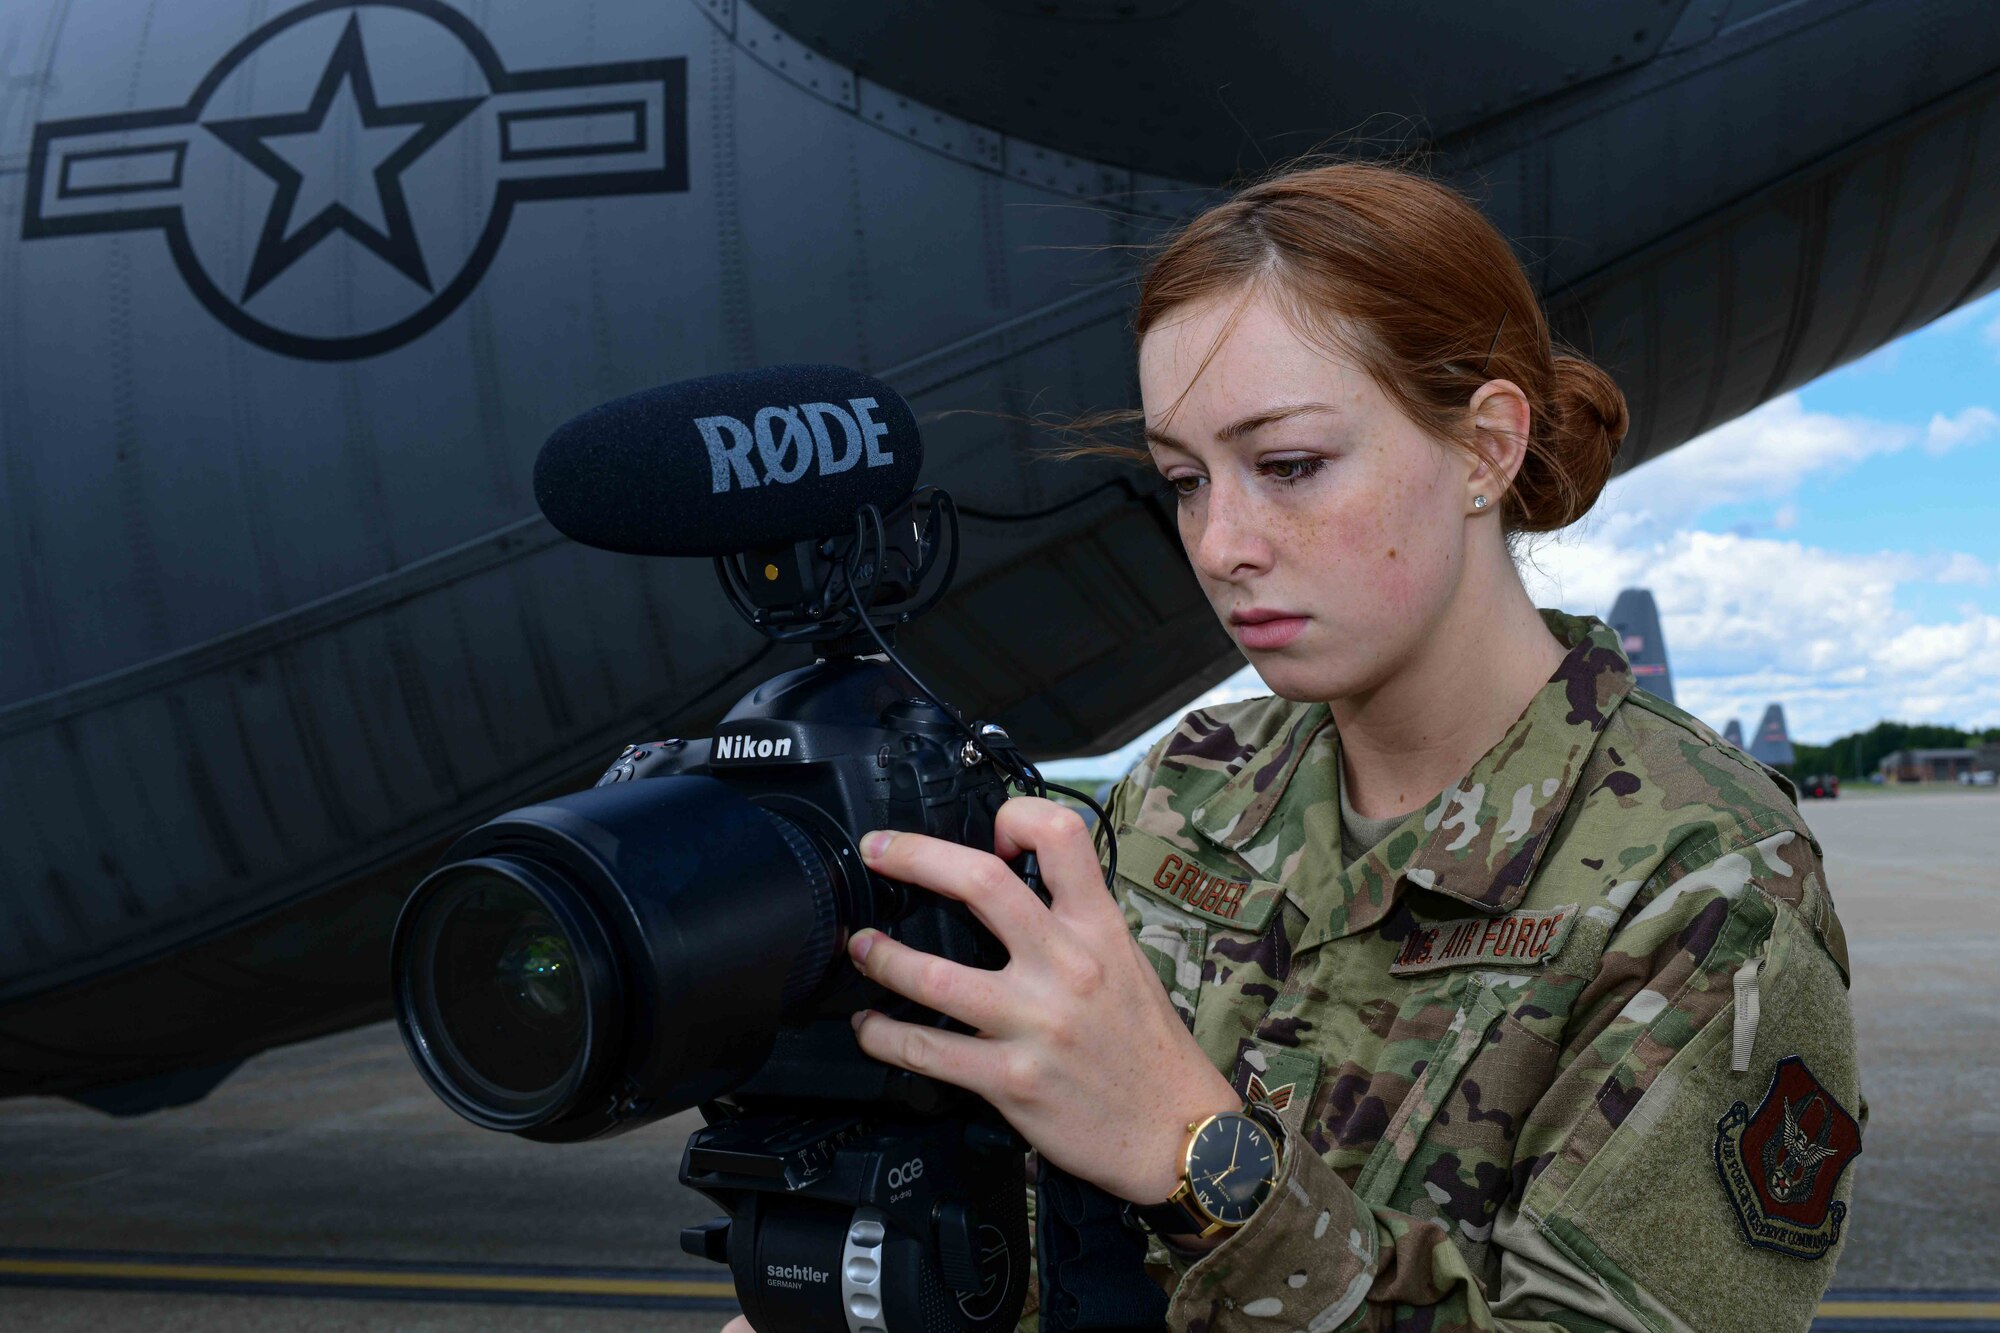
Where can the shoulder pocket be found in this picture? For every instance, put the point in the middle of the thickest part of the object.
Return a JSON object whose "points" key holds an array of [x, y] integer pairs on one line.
{"points": [[1208, 887]]}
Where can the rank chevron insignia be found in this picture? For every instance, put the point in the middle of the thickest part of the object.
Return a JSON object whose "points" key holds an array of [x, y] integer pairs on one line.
{"points": [[1277, 1098]]}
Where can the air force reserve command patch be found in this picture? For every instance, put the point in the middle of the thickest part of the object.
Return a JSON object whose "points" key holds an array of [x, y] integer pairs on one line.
{"points": [[1779, 1165]]}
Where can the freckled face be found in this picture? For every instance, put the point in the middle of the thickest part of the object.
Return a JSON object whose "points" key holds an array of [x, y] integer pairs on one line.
{"points": [[1348, 517]]}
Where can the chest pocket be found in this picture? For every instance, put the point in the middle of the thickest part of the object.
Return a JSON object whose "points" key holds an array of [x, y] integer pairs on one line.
{"points": [[1448, 1152], [1204, 924]]}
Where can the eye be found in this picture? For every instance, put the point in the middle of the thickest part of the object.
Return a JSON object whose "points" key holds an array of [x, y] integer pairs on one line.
{"points": [[1291, 471], [1186, 484]]}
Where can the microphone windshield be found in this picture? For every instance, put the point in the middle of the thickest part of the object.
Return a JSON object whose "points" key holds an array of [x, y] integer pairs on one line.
{"points": [[723, 464]]}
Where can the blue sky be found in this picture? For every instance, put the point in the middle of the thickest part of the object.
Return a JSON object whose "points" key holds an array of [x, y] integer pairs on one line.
{"points": [[1837, 550]]}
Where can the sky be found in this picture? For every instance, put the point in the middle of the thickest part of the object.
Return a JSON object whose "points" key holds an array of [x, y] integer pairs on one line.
{"points": [[1837, 550]]}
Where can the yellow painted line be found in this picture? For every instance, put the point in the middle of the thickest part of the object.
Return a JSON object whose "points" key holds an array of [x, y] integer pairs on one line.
{"points": [[352, 1277], [613, 1286], [1909, 1310]]}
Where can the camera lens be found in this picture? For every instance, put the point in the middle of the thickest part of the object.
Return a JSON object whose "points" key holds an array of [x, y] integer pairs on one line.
{"points": [[506, 987], [538, 974], [498, 985], [575, 967]]}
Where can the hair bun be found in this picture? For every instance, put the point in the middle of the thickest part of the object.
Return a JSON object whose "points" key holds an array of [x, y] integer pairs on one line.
{"points": [[1570, 457]]}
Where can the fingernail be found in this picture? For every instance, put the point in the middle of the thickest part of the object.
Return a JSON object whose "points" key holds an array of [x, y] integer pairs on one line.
{"points": [[855, 1022], [858, 947], [875, 844]]}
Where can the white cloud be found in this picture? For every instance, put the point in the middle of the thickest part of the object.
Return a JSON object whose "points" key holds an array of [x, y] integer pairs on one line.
{"points": [[1762, 456], [1751, 620], [1959, 567], [1968, 427]]}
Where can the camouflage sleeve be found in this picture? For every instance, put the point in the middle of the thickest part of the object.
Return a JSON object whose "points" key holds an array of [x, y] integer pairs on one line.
{"points": [[1684, 1170]]}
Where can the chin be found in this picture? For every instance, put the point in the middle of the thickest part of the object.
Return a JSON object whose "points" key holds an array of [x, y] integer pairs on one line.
{"points": [[1299, 681], [1316, 677]]}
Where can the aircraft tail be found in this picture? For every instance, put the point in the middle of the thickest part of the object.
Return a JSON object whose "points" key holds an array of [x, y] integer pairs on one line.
{"points": [[1637, 621], [1773, 745], [1733, 733]]}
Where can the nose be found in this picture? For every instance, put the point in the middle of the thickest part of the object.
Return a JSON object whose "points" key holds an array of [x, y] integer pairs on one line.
{"points": [[1225, 534]]}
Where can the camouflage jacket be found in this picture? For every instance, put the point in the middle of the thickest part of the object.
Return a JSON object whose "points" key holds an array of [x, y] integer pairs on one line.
{"points": [[1569, 1049]]}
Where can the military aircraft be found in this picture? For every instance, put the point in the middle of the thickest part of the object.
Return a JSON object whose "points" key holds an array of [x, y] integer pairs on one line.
{"points": [[292, 292], [1773, 744], [1636, 620], [1733, 733]]}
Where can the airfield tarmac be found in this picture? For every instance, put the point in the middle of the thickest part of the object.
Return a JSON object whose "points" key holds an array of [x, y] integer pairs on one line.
{"points": [[323, 1188]]}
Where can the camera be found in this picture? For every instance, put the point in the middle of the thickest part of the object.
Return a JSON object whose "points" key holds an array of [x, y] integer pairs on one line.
{"points": [[674, 937]]}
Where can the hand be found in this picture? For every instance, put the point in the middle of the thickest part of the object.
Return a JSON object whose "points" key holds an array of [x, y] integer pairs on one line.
{"points": [[1077, 1046]]}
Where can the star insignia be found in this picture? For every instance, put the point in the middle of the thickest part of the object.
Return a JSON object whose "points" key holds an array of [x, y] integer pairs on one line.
{"points": [[392, 137]]}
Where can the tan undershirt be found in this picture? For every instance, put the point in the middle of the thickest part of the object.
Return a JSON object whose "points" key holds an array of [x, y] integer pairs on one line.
{"points": [[1358, 833]]}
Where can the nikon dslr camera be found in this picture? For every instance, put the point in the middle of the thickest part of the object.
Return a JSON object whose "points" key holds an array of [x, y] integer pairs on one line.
{"points": [[675, 937]]}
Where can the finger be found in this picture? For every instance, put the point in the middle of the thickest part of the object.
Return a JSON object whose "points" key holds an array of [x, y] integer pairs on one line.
{"points": [[980, 880], [969, 994], [1061, 843], [947, 1056], [738, 1325]]}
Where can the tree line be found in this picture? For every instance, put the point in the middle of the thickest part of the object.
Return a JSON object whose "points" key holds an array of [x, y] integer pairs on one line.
{"points": [[1854, 757]]}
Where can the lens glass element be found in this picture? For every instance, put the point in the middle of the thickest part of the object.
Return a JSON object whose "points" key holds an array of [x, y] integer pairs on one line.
{"points": [[506, 991]]}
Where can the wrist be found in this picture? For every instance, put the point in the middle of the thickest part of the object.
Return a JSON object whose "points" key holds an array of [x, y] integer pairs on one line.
{"points": [[1166, 1159]]}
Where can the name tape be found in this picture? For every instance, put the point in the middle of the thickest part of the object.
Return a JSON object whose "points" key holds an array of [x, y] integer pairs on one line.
{"points": [[1213, 895], [1519, 939]]}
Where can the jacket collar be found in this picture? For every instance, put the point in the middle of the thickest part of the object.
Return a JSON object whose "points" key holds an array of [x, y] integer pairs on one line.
{"points": [[1481, 839]]}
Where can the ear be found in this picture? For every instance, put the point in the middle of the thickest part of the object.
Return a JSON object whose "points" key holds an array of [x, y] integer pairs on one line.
{"points": [[1501, 418]]}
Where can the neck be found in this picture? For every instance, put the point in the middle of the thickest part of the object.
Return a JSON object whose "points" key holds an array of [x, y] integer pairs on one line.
{"points": [[1473, 674]]}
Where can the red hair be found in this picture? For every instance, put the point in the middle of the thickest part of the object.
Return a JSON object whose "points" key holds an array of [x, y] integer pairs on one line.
{"points": [[1406, 278]]}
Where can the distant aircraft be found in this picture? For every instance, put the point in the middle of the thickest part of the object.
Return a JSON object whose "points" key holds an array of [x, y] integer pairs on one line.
{"points": [[1733, 733], [1773, 745], [291, 293], [1637, 621]]}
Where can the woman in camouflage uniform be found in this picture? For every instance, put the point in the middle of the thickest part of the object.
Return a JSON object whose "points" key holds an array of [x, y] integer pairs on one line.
{"points": [[1540, 974]]}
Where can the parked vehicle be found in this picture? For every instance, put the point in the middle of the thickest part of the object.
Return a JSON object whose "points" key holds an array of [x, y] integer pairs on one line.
{"points": [[1978, 777], [1820, 786]]}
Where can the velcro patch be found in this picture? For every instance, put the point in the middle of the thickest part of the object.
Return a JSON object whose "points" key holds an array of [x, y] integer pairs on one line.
{"points": [[1282, 1077], [1780, 1164], [1210, 892], [1518, 939]]}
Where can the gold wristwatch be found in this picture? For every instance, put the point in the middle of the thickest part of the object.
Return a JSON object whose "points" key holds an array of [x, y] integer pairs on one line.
{"points": [[1230, 1166]]}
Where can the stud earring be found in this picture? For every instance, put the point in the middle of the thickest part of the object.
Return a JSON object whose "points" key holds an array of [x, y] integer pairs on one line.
{"points": [[1479, 502]]}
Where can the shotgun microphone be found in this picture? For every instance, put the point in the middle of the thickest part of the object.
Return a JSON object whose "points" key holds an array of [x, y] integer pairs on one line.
{"points": [[731, 462]]}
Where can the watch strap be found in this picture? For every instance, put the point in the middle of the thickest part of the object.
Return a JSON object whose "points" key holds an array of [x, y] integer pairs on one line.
{"points": [[1174, 1217]]}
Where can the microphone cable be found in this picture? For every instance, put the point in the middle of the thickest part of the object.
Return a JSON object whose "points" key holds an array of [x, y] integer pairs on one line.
{"points": [[987, 738]]}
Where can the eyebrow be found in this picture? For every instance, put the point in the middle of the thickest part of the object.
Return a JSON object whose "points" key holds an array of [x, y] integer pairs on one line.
{"points": [[1236, 430]]}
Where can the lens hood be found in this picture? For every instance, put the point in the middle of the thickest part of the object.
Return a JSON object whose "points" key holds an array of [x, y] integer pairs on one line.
{"points": [[659, 931]]}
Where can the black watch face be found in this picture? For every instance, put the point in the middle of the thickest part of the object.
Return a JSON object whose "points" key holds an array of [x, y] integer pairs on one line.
{"points": [[1232, 1165]]}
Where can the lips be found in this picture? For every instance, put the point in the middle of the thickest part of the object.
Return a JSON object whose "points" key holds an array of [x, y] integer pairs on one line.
{"points": [[1264, 630]]}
